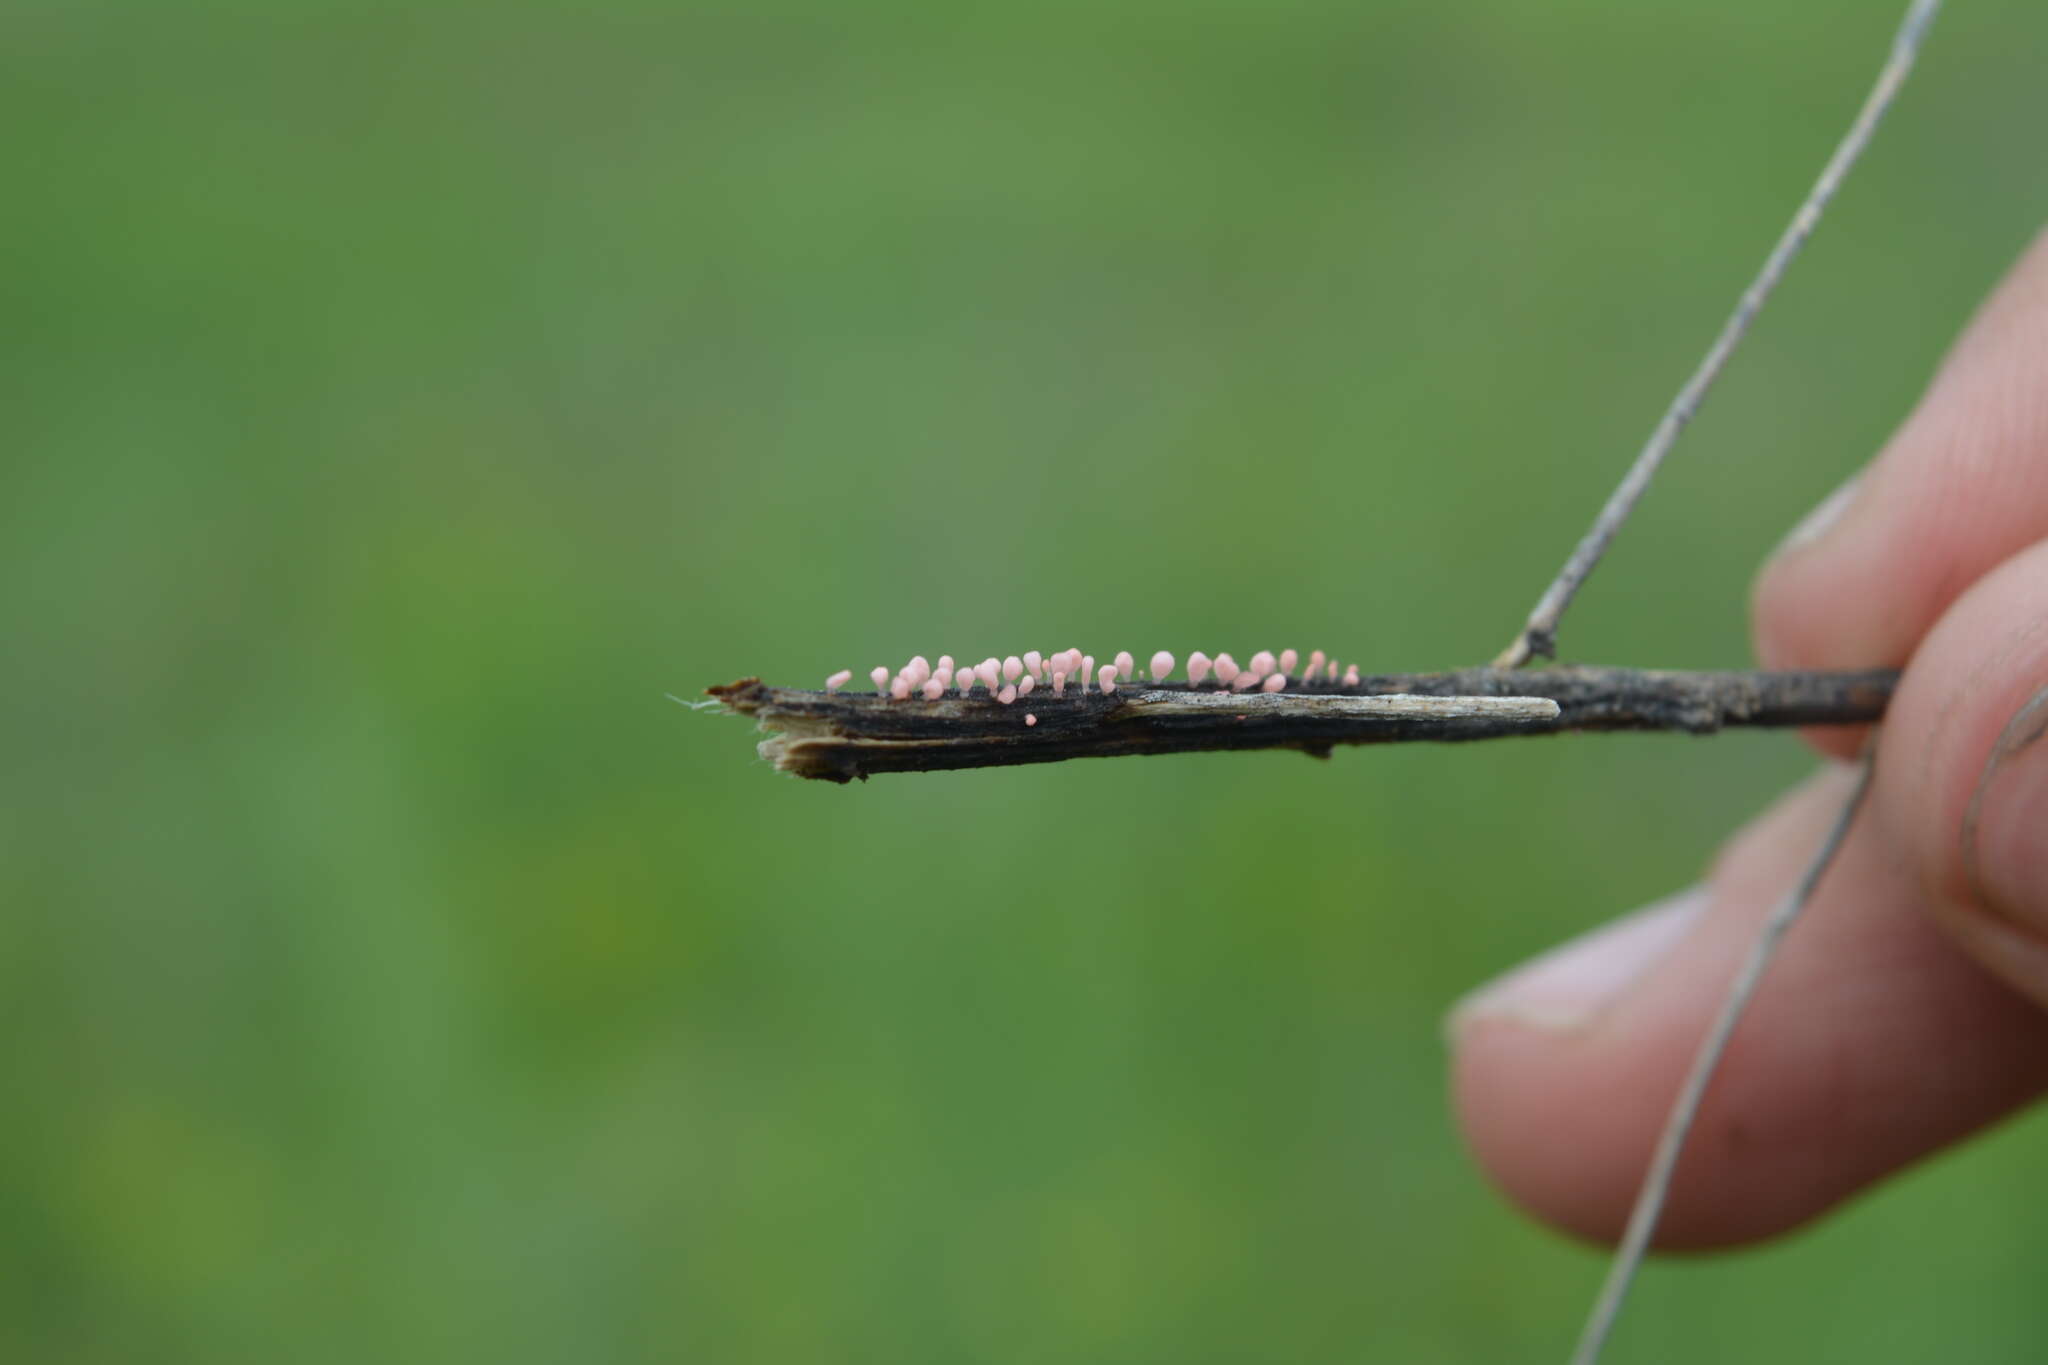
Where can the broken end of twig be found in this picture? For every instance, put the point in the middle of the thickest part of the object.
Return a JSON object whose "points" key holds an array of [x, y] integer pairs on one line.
{"points": [[838, 737], [800, 746], [737, 695]]}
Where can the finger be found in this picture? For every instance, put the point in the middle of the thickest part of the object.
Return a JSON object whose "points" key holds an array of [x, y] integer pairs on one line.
{"points": [[1963, 781], [1962, 486], [1871, 1042]]}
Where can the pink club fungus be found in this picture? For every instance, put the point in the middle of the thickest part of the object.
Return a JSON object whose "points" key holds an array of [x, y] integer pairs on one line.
{"points": [[880, 676], [1198, 668], [1108, 679], [1274, 682], [1008, 694], [838, 680], [1030, 719], [1288, 659], [933, 688], [1162, 664]]}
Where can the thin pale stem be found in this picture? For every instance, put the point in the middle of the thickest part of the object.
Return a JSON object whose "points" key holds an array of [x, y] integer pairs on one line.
{"points": [[1538, 637], [1649, 1206]]}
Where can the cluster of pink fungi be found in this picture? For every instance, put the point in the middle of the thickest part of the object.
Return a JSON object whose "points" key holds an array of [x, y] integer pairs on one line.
{"points": [[1018, 676]]}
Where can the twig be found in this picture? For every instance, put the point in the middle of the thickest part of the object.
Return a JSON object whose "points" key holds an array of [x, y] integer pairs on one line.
{"points": [[1642, 1219], [1539, 636], [838, 737]]}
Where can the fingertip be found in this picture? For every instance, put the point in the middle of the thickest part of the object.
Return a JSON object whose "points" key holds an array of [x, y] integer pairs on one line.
{"points": [[1811, 602], [1573, 1180], [1797, 616], [1963, 770], [1871, 1042]]}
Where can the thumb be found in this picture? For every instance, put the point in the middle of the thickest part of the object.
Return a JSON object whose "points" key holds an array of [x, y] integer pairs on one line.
{"points": [[1962, 780]]}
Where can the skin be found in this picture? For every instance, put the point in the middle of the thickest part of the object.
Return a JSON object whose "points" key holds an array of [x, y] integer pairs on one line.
{"points": [[1910, 1009]]}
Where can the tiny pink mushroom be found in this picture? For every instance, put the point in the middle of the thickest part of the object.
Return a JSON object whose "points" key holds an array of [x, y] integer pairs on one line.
{"points": [[1263, 662], [1273, 682], [900, 688], [933, 688], [1351, 676], [838, 680], [1007, 695], [880, 676], [1288, 659], [1030, 719], [1226, 669], [1087, 671], [1107, 680], [1013, 668], [1162, 664], [1059, 682], [1315, 662], [1198, 668], [1025, 684], [990, 672], [1126, 666], [1034, 663]]}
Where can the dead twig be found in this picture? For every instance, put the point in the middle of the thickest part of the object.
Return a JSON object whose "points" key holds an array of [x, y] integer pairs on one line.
{"points": [[840, 736]]}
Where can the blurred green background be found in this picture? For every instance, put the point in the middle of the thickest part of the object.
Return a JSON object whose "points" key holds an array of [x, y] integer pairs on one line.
{"points": [[400, 399]]}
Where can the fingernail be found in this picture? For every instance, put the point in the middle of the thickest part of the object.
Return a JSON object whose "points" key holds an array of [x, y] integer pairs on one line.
{"points": [[1567, 988], [1821, 519], [2006, 827]]}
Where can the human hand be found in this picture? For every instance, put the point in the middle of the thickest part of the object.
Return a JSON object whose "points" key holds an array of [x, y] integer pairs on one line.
{"points": [[1906, 1010]]}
